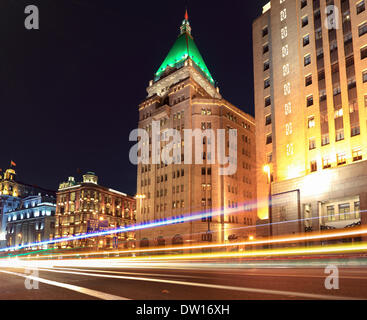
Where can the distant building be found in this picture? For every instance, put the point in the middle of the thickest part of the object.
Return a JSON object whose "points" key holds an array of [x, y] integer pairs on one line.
{"points": [[12, 191], [183, 95], [87, 207], [32, 221], [310, 66]]}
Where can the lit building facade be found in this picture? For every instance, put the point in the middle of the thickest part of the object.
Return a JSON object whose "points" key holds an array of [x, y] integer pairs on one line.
{"points": [[32, 221], [87, 207], [12, 192], [310, 66], [183, 96]]}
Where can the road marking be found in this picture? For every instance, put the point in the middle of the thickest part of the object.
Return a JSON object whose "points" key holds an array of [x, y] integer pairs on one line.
{"points": [[213, 286], [86, 291], [132, 273], [290, 275]]}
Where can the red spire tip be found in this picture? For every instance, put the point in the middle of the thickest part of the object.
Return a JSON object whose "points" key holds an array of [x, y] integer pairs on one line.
{"points": [[186, 16]]}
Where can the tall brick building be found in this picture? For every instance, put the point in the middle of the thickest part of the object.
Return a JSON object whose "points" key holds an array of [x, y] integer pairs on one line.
{"points": [[183, 96]]}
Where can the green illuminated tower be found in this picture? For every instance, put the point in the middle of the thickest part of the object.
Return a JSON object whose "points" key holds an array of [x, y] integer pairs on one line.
{"points": [[183, 95]]}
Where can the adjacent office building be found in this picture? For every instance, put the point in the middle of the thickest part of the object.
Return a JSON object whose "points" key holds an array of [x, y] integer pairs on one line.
{"points": [[183, 95], [88, 207], [310, 66]]}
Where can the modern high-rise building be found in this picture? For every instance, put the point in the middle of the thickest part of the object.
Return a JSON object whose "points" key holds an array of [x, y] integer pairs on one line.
{"points": [[183, 96], [310, 66], [88, 207]]}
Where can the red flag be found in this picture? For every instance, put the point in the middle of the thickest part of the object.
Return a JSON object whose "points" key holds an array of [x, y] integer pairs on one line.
{"points": [[13, 164]]}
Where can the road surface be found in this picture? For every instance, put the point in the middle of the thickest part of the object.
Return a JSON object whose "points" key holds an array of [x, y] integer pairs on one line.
{"points": [[175, 283]]}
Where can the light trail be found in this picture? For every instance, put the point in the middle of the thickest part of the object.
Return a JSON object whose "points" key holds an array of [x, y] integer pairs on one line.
{"points": [[279, 240], [156, 224]]}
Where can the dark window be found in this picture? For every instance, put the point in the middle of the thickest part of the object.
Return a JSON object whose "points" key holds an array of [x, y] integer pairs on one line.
{"points": [[361, 7], [265, 31], [363, 53], [304, 21], [268, 120], [307, 60], [308, 80], [362, 29], [303, 3], [309, 101], [267, 102], [269, 139], [266, 83], [306, 40], [265, 48], [364, 76], [266, 65], [313, 166]]}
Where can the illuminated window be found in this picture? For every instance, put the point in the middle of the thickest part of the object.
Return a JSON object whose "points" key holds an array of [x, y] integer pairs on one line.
{"points": [[357, 210], [344, 211], [307, 60], [313, 166], [365, 100], [325, 140], [311, 122], [338, 113], [330, 213], [339, 135], [326, 163], [355, 130], [341, 159], [357, 154], [361, 7], [312, 144], [306, 40]]}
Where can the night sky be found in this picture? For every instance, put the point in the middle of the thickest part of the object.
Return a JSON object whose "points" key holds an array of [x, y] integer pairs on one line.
{"points": [[69, 92]]}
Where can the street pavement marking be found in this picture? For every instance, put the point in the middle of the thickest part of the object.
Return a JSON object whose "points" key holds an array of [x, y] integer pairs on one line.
{"points": [[89, 292], [132, 273], [213, 286]]}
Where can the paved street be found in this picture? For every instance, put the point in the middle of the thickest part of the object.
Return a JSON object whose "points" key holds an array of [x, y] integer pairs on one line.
{"points": [[173, 283]]}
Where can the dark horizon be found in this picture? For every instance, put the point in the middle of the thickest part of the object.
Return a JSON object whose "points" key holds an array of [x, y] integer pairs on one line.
{"points": [[70, 91]]}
